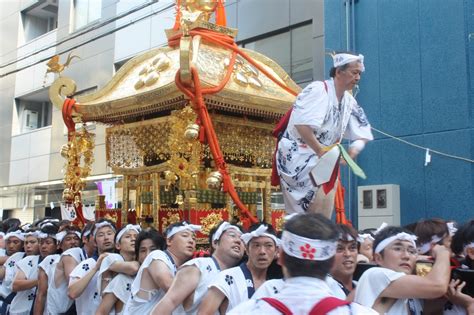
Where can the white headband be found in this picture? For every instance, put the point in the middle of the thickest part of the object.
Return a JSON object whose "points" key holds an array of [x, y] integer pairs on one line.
{"points": [[343, 59], [176, 229], [260, 231], [101, 225], [222, 228], [60, 236], [85, 233], [2, 234], [362, 237], [47, 222], [381, 227], [307, 248], [42, 235], [128, 227], [17, 234], [403, 236], [34, 233], [470, 245], [451, 228], [424, 248]]}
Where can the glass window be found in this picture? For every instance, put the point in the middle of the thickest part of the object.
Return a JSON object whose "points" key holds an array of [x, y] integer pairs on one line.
{"points": [[39, 19], [33, 114], [292, 50], [302, 53], [276, 47], [86, 11]]}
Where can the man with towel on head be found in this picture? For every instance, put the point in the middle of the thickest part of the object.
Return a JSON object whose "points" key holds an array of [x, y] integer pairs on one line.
{"points": [[323, 113], [308, 246]]}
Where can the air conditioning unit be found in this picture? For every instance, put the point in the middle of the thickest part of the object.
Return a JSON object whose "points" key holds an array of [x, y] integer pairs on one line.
{"points": [[378, 204], [30, 120]]}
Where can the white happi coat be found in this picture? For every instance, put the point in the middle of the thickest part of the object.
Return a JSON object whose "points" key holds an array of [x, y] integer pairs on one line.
{"points": [[236, 284], [300, 294], [23, 300], [330, 122], [209, 269], [57, 300], [269, 288], [374, 281], [48, 265], [120, 286], [105, 265], [88, 302], [137, 305], [10, 271]]}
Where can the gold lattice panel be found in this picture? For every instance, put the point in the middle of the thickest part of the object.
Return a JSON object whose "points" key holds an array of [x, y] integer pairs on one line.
{"points": [[241, 141], [128, 146], [244, 141]]}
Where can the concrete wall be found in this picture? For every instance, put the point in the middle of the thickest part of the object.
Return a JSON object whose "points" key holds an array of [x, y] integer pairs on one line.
{"points": [[29, 158], [417, 86]]}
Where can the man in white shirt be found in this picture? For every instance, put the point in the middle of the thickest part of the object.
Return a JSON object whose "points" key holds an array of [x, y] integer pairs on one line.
{"points": [[308, 245], [156, 274], [323, 113], [345, 261], [83, 279], [392, 288], [54, 279], [236, 285], [191, 281]]}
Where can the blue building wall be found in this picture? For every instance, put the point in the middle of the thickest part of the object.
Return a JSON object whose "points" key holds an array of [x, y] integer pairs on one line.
{"points": [[418, 86]]}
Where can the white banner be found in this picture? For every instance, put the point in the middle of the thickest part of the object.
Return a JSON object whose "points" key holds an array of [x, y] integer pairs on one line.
{"points": [[68, 212], [108, 188]]}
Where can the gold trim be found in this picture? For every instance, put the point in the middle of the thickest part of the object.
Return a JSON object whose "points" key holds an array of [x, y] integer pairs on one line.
{"points": [[185, 51], [61, 88], [232, 32]]}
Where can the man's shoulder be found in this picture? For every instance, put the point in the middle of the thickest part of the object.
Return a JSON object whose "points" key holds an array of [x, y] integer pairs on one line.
{"points": [[82, 268], [76, 252]]}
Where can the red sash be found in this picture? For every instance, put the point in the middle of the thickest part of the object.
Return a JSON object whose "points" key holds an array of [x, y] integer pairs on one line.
{"points": [[278, 133], [323, 307]]}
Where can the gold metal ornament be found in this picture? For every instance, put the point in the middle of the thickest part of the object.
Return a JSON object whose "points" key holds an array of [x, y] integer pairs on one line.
{"points": [[67, 195], [169, 219], [149, 74], [179, 200], [214, 180], [192, 132], [79, 162], [64, 151], [209, 221]]}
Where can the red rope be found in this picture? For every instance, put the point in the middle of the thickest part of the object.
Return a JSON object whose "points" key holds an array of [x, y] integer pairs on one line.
{"points": [[228, 42], [196, 95]]}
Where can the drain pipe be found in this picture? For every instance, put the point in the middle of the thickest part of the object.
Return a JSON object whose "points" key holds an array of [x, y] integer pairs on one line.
{"points": [[348, 27]]}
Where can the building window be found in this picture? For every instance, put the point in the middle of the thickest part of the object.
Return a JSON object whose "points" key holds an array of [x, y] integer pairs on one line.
{"points": [[120, 64], [291, 48], [33, 114], [86, 12], [40, 18]]}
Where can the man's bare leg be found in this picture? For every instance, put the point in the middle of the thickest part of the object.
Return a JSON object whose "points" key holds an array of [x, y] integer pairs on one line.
{"points": [[322, 203]]}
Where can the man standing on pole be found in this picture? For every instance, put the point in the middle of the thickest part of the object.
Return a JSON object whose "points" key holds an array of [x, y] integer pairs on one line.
{"points": [[323, 113]]}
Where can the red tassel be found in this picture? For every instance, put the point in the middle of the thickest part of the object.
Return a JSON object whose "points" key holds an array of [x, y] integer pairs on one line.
{"points": [[178, 15], [220, 14]]}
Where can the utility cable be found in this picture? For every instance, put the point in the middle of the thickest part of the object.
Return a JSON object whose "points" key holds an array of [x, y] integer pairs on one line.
{"points": [[90, 40], [424, 148]]}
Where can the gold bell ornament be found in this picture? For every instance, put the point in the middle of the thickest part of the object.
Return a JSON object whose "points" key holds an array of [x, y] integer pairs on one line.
{"points": [[214, 180], [192, 132]]}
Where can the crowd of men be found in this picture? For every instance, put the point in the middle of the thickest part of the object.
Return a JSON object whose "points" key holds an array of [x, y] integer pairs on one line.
{"points": [[53, 267]]}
